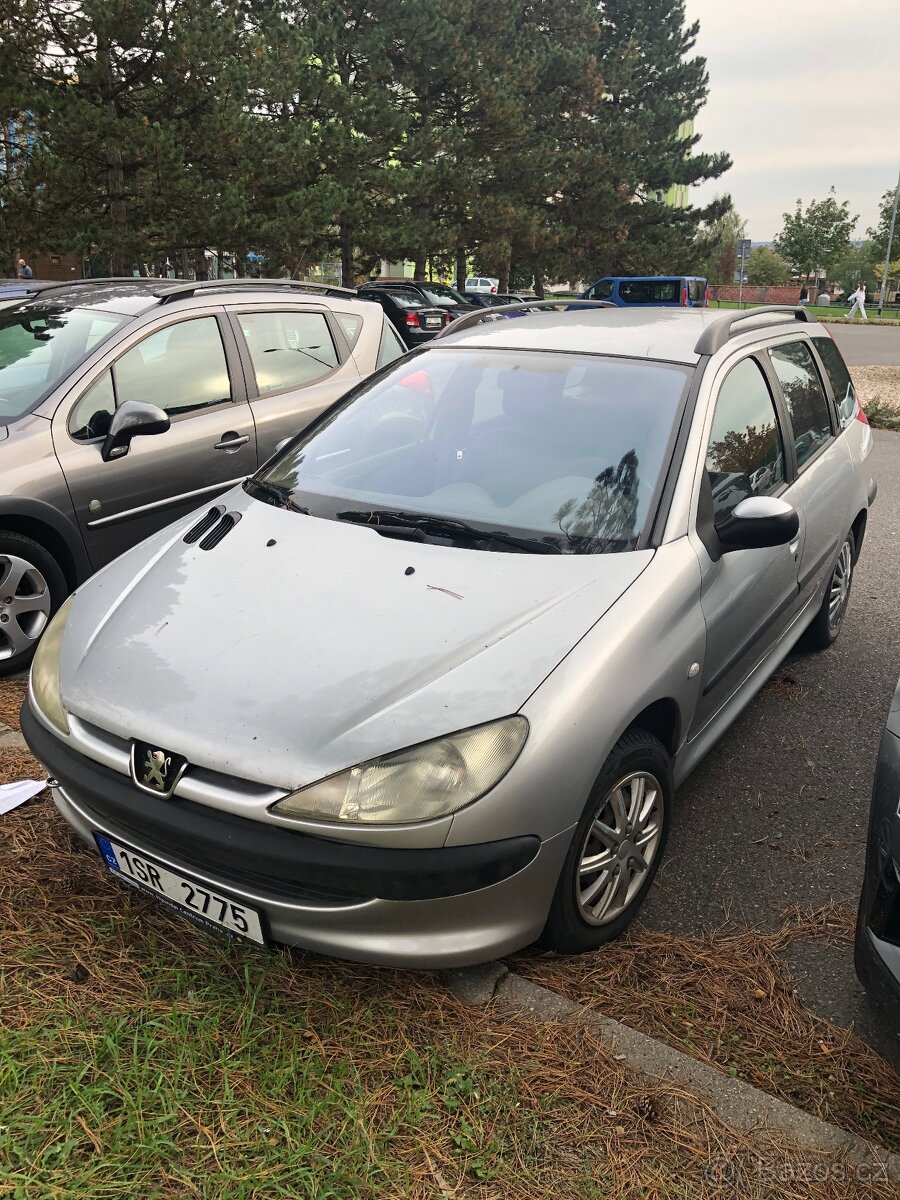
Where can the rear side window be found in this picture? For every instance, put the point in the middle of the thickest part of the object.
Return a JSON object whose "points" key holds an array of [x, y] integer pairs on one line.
{"points": [[288, 349], [803, 396], [649, 291], [745, 455], [351, 325], [391, 346], [839, 378]]}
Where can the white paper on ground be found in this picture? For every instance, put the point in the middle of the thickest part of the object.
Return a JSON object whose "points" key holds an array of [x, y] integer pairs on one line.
{"points": [[14, 794]]}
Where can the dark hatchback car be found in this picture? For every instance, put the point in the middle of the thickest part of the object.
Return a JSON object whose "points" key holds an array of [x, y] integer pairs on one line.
{"points": [[409, 312], [440, 295], [878, 925]]}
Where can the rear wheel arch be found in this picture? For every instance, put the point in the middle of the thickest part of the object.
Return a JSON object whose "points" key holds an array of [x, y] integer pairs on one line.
{"points": [[858, 529]]}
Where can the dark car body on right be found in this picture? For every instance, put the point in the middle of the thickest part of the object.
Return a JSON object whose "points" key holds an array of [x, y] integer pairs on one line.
{"points": [[415, 320], [441, 295], [877, 950]]}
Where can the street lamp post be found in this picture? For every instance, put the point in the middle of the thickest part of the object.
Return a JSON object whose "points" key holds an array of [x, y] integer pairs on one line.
{"points": [[890, 243]]}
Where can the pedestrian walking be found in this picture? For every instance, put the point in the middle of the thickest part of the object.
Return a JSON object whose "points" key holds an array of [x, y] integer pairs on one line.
{"points": [[804, 296], [858, 304], [25, 272]]}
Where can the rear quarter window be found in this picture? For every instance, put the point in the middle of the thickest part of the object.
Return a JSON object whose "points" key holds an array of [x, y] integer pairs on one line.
{"points": [[838, 377]]}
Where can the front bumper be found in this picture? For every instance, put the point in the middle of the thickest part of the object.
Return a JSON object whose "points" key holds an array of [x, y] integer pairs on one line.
{"points": [[409, 907]]}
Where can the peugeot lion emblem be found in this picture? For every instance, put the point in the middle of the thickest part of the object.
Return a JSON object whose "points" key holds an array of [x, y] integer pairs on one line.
{"points": [[154, 769]]}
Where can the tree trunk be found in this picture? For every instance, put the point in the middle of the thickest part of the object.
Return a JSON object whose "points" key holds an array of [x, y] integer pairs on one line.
{"points": [[419, 266], [503, 285], [119, 253], [346, 255], [461, 268], [538, 284]]}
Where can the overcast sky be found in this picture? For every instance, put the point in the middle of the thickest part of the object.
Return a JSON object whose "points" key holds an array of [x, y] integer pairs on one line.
{"points": [[802, 95]]}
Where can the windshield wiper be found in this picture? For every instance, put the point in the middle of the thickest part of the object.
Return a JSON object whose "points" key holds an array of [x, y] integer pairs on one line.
{"points": [[280, 495], [447, 527]]}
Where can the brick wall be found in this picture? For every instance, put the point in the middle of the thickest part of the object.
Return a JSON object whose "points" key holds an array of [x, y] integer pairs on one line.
{"points": [[756, 295]]}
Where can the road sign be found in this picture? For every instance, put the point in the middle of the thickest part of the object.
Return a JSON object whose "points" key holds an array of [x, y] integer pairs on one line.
{"points": [[743, 248]]}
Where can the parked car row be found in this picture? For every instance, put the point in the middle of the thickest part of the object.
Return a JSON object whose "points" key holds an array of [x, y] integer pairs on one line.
{"points": [[495, 615]]}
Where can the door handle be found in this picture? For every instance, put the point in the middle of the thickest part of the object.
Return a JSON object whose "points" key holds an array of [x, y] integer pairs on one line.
{"points": [[231, 441]]}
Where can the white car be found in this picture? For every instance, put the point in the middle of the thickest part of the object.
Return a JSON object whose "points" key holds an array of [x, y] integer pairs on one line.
{"points": [[481, 283]]}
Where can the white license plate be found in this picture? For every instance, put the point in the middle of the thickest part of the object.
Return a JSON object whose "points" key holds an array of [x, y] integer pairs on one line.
{"points": [[202, 905], [432, 322]]}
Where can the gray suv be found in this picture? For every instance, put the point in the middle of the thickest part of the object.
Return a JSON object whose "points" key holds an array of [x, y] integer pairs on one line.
{"points": [[226, 369]]}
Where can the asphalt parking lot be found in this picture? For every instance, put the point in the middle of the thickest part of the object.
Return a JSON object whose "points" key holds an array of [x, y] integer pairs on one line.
{"points": [[776, 815], [868, 344]]}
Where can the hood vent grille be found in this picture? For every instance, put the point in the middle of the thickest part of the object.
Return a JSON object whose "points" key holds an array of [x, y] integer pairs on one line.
{"points": [[216, 534], [196, 532]]}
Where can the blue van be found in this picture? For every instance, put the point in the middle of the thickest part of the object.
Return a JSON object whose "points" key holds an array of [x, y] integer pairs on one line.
{"points": [[657, 291]]}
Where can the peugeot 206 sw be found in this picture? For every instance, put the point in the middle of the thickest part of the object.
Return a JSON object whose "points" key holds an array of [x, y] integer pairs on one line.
{"points": [[420, 690]]}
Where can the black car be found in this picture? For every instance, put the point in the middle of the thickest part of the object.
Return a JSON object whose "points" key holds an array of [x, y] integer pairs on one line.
{"points": [[878, 925], [496, 299], [408, 311], [438, 294]]}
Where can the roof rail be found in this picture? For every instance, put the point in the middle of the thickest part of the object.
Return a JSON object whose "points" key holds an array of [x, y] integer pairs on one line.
{"points": [[188, 287], [716, 335], [498, 313]]}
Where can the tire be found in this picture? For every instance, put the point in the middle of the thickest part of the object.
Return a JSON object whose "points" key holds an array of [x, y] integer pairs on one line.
{"points": [[32, 587], [576, 923], [828, 621]]}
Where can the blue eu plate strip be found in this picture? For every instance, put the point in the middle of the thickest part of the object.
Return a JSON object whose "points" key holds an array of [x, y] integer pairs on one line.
{"points": [[107, 851]]}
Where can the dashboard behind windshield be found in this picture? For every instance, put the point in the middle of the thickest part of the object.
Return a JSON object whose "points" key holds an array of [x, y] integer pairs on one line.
{"points": [[566, 449]]}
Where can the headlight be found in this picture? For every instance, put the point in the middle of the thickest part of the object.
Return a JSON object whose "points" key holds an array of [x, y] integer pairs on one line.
{"points": [[45, 670], [425, 781]]}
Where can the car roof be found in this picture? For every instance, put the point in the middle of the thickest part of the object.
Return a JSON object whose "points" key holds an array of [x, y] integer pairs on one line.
{"points": [[135, 296], [662, 334]]}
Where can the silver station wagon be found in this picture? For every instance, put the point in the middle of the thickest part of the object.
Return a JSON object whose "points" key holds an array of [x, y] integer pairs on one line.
{"points": [[420, 690]]}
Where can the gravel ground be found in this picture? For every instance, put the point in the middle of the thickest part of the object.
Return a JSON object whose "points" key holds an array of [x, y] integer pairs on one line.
{"points": [[881, 382]]}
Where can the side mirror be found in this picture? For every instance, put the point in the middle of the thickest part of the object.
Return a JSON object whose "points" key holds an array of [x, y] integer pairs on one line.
{"points": [[759, 521], [130, 419]]}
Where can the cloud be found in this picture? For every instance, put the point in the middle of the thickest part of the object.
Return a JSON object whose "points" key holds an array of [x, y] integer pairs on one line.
{"points": [[801, 98]]}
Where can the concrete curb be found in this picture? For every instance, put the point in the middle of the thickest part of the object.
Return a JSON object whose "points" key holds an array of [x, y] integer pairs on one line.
{"points": [[740, 1105]]}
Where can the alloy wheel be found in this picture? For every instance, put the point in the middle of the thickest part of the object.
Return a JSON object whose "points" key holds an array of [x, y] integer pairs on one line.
{"points": [[619, 847], [24, 605], [839, 589]]}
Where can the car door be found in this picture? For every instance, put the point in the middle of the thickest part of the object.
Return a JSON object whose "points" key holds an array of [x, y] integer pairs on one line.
{"points": [[297, 362], [189, 367], [824, 463], [749, 597]]}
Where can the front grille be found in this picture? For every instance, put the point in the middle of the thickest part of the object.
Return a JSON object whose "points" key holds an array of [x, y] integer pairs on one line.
{"points": [[138, 826]]}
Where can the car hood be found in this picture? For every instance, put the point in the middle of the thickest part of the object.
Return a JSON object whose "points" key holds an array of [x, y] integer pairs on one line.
{"points": [[299, 646]]}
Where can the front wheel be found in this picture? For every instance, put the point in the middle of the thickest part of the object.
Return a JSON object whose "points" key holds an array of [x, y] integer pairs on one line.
{"points": [[617, 847], [828, 621], [32, 587]]}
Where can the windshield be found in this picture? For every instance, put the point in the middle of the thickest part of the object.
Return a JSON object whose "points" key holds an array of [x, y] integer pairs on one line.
{"points": [[39, 346], [562, 451], [439, 293]]}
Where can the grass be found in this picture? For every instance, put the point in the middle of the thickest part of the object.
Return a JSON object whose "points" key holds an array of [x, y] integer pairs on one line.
{"points": [[141, 1058], [834, 313]]}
